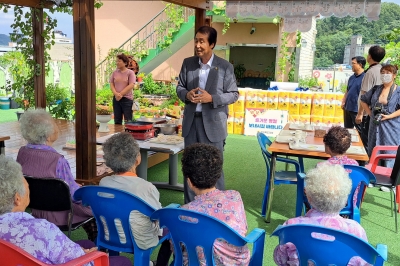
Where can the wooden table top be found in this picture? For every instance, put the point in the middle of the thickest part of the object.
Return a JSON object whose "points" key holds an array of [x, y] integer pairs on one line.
{"points": [[3, 138], [67, 132], [283, 148]]}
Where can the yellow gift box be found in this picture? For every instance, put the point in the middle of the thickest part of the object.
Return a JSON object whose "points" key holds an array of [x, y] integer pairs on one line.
{"points": [[338, 121], [305, 103], [273, 100], [294, 118], [330, 105], [283, 100], [251, 98], [318, 104], [339, 110], [262, 99], [294, 103], [304, 119], [230, 122], [316, 120], [327, 121], [230, 109], [238, 124]]}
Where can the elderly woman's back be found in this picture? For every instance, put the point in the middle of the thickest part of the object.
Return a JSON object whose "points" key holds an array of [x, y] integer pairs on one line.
{"points": [[328, 187], [39, 159]]}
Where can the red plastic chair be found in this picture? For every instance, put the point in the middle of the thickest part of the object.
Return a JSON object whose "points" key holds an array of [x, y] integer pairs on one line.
{"points": [[12, 255], [381, 170]]}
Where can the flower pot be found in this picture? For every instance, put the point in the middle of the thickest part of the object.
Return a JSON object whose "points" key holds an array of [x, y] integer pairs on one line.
{"points": [[4, 103], [13, 104], [139, 79], [103, 119]]}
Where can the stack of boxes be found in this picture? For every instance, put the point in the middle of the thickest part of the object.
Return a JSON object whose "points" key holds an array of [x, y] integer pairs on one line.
{"points": [[322, 109]]}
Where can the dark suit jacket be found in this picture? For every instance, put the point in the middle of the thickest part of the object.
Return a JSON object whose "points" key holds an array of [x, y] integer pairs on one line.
{"points": [[221, 84]]}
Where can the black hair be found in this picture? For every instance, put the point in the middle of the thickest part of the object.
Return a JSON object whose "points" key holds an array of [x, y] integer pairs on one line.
{"points": [[377, 53], [202, 164], [360, 60], [210, 32], [124, 58]]}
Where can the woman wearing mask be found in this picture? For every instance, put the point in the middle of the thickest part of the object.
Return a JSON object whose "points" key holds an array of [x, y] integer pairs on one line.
{"points": [[382, 103]]}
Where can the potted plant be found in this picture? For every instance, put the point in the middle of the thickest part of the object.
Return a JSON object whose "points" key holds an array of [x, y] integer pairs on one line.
{"points": [[140, 77], [104, 109], [239, 70]]}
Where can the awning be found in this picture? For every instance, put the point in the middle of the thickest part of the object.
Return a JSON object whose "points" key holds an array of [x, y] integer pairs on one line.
{"points": [[298, 15]]}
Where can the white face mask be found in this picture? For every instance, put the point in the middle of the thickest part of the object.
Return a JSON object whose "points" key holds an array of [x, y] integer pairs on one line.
{"points": [[386, 78]]}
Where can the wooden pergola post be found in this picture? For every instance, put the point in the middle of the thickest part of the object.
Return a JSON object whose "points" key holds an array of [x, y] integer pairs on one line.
{"points": [[200, 19], [38, 57], [85, 88]]}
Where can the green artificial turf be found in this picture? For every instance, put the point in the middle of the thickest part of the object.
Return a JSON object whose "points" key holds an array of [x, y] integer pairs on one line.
{"points": [[245, 172], [8, 115]]}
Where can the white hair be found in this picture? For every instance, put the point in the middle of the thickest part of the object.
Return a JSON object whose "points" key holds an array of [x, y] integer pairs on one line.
{"points": [[11, 182], [36, 126], [328, 187]]}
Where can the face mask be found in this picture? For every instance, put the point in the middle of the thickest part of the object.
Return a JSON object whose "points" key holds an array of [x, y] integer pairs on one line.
{"points": [[386, 78]]}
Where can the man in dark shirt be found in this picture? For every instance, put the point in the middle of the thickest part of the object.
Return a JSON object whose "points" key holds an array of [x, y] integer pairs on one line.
{"points": [[350, 99]]}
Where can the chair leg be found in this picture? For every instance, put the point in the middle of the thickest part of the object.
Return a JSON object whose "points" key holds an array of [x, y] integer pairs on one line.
{"points": [[265, 199], [391, 202], [70, 215], [394, 209]]}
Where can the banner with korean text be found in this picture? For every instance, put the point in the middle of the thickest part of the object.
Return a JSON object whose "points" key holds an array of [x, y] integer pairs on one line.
{"points": [[269, 122]]}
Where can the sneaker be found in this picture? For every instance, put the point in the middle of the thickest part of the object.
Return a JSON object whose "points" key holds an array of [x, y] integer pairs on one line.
{"points": [[385, 189]]}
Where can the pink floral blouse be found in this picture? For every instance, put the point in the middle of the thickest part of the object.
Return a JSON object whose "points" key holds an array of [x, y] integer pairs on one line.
{"points": [[227, 206], [287, 254]]}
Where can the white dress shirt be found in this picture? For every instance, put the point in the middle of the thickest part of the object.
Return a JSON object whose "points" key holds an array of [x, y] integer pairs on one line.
{"points": [[203, 76]]}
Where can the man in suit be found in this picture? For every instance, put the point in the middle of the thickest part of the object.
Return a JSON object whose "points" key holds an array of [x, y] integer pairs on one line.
{"points": [[207, 85]]}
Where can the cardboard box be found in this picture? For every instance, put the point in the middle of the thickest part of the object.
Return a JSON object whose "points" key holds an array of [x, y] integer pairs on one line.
{"points": [[273, 100], [318, 104], [305, 119], [251, 99], [239, 105], [316, 120], [283, 100], [238, 124], [230, 109], [230, 121], [330, 105], [294, 103], [262, 99], [294, 118], [305, 103], [339, 110]]}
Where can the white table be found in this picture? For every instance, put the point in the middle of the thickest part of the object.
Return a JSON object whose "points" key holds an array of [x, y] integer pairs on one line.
{"points": [[145, 147]]}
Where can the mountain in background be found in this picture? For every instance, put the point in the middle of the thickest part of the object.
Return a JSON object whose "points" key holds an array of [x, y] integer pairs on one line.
{"points": [[334, 33], [4, 39]]}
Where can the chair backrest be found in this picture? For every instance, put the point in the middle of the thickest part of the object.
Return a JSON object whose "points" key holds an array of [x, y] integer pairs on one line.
{"points": [[395, 176], [264, 143], [111, 207], [12, 255], [338, 251], [359, 176], [49, 194], [189, 227]]}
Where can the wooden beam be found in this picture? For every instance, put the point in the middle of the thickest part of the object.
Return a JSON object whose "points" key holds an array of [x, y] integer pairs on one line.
{"points": [[200, 19], [38, 57], [204, 4], [85, 88], [28, 3]]}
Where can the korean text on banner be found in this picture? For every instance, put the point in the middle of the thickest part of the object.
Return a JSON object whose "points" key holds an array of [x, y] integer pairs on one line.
{"points": [[269, 122]]}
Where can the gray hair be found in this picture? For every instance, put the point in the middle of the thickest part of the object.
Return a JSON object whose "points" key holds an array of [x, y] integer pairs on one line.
{"points": [[36, 126], [120, 152], [328, 187], [11, 182]]}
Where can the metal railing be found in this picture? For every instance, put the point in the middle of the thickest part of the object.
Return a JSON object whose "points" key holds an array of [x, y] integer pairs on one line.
{"points": [[146, 38]]}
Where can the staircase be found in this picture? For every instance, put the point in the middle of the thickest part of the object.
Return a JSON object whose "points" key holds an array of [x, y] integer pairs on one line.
{"points": [[155, 42]]}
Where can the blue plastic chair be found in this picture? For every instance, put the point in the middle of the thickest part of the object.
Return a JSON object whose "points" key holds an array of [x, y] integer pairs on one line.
{"points": [[282, 177], [203, 232], [325, 252], [109, 205], [362, 176]]}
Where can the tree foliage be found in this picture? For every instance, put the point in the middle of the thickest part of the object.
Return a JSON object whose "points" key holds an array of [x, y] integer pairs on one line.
{"points": [[334, 33]]}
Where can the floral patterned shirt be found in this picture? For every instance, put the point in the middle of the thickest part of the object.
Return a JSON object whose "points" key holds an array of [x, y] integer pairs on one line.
{"points": [[226, 206], [38, 237], [287, 254], [63, 170]]}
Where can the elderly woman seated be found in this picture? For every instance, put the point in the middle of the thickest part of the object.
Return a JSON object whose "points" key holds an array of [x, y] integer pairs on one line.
{"points": [[39, 159], [202, 166], [38, 237], [122, 155], [328, 187]]}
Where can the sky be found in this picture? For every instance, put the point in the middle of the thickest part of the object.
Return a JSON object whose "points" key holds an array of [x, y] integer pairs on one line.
{"points": [[65, 21]]}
